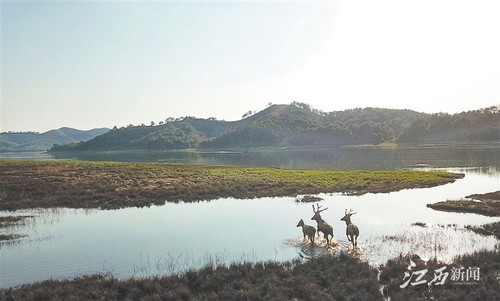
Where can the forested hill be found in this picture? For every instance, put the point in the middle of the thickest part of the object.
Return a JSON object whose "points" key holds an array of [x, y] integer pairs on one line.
{"points": [[183, 133], [33, 141], [298, 124], [473, 126]]}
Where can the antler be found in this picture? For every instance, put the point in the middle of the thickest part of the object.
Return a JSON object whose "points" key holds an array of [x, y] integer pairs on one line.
{"points": [[350, 212], [318, 208]]}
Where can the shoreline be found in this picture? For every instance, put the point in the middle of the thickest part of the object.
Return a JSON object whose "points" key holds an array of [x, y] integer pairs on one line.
{"points": [[27, 184], [325, 277], [487, 204]]}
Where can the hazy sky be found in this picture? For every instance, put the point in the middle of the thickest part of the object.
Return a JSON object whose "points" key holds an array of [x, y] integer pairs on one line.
{"points": [[94, 64]]}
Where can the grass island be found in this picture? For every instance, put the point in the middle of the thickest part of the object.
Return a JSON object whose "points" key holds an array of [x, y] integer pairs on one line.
{"points": [[112, 185]]}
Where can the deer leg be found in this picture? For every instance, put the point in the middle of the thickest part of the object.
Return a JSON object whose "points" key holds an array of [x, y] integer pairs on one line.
{"points": [[351, 240]]}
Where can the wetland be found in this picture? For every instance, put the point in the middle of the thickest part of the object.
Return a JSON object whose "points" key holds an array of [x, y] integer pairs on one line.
{"points": [[170, 245], [113, 185]]}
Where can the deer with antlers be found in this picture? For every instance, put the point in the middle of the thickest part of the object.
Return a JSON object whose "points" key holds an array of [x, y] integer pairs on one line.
{"points": [[322, 225], [351, 230]]}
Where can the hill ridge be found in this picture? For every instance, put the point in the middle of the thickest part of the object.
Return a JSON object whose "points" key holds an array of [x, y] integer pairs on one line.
{"points": [[34, 141], [298, 124]]}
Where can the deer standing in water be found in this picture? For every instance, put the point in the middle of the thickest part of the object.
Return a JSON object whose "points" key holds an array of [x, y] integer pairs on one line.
{"points": [[351, 230], [307, 230], [322, 225]]}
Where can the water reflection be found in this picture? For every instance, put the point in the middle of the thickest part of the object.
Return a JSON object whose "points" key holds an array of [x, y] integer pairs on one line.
{"points": [[331, 158]]}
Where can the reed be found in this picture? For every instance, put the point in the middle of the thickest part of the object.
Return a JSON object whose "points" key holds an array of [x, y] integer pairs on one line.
{"points": [[320, 278], [487, 288]]}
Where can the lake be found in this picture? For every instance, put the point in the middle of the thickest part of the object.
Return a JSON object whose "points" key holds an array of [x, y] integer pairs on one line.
{"points": [[297, 158], [173, 238]]}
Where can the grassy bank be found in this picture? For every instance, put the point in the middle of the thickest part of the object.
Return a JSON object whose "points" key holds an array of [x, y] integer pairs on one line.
{"points": [[109, 185], [486, 204], [322, 278]]}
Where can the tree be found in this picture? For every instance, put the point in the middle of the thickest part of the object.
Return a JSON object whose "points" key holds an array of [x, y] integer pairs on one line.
{"points": [[302, 105], [247, 114]]}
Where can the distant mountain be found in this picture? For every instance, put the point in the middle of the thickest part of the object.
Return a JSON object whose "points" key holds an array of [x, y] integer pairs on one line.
{"points": [[298, 124], [32, 141]]}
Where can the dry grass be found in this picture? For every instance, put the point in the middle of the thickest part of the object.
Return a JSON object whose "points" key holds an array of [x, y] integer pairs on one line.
{"points": [[323, 278], [487, 204], [487, 288], [492, 229], [111, 185]]}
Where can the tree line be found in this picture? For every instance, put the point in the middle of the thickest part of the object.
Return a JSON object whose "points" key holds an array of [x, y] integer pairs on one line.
{"points": [[298, 124]]}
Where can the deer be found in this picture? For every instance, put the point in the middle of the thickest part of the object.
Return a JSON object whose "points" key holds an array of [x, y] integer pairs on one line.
{"points": [[351, 230], [307, 230], [322, 225]]}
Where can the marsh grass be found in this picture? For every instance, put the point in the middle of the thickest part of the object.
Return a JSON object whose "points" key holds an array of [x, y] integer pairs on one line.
{"points": [[169, 264], [308, 199], [111, 185], [486, 204], [441, 242], [487, 288], [492, 229], [9, 238], [11, 222], [487, 207], [7, 221], [321, 278]]}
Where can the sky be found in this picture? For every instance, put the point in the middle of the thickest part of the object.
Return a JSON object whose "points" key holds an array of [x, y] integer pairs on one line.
{"points": [[90, 64]]}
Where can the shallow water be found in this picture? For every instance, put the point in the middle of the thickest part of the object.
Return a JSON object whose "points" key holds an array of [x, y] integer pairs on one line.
{"points": [[169, 239]]}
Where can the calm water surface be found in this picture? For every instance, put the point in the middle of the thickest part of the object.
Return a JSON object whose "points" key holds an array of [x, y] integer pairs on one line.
{"points": [[169, 239], [336, 158]]}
